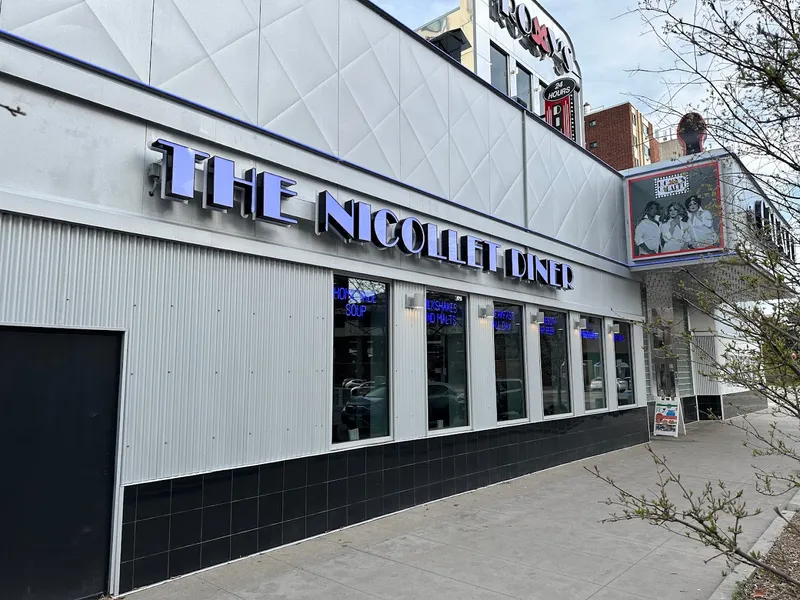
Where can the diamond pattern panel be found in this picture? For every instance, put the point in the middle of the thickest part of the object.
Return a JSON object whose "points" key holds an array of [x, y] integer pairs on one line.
{"points": [[299, 68], [208, 51], [424, 119], [114, 34], [571, 196], [364, 92], [470, 165], [507, 193], [369, 90]]}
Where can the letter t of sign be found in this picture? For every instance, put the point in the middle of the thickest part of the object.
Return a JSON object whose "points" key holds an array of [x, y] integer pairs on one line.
{"points": [[177, 170]]}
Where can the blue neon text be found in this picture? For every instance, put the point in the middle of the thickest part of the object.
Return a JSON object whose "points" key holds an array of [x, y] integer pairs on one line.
{"points": [[441, 312], [503, 320], [356, 296]]}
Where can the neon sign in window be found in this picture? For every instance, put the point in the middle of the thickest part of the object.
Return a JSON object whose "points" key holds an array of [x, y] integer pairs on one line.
{"points": [[503, 320], [440, 312], [619, 337], [356, 300], [589, 335]]}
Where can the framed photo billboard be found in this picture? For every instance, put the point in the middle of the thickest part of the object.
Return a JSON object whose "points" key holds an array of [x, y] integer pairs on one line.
{"points": [[676, 212]]}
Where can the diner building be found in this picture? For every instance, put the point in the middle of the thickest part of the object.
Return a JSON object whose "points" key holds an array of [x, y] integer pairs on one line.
{"points": [[271, 269]]}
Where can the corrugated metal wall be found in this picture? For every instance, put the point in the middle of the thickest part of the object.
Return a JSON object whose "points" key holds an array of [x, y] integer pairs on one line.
{"points": [[704, 360], [214, 340], [228, 356], [408, 345], [683, 375], [482, 387], [647, 366]]}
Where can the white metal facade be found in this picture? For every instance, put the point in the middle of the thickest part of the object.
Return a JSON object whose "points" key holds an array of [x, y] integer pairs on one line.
{"points": [[228, 322]]}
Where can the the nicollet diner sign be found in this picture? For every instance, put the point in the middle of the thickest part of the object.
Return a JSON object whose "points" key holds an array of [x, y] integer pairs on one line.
{"points": [[262, 194], [537, 37]]}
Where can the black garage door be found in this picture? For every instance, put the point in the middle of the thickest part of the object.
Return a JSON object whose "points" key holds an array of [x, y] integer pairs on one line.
{"points": [[58, 421]]}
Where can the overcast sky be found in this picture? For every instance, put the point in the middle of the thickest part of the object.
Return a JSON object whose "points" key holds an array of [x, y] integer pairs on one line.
{"points": [[608, 44]]}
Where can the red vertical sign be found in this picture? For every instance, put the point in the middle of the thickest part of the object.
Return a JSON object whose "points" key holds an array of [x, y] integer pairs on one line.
{"points": [[559, 106]]}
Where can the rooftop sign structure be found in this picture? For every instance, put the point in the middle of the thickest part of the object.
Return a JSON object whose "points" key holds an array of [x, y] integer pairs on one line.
{"points": [[537, 37]]}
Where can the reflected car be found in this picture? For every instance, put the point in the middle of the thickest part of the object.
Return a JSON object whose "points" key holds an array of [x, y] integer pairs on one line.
{"points": [[349, 384], [364, 388], [445, 404], [510, 399], [361, 411], [597, 384]]}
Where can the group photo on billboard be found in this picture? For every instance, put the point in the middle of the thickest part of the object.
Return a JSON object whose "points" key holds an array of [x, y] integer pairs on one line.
{"points": [[677, 212]]}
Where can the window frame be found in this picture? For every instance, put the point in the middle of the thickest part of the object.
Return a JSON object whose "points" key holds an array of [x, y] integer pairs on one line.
{"points": [[390, 404], [568, 353], [495, 48], [604, 370], [522, 69], [632, 366], [467, 332], [523, 359]]}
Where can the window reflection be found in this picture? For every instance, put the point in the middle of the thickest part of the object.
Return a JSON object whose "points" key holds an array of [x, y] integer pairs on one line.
{"points": [[623, 358], [593, 368], [447, 361], [360, 359], [555, 364], [509, 363], [524, 96]]}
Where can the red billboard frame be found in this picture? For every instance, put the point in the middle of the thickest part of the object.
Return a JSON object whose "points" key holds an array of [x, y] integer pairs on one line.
{"points": [[653, 175]]}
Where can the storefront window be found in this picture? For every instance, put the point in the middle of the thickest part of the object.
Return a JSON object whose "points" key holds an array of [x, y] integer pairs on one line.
{"points": [[555, 364], [360, 359], [447, 361], [509, 363], [623, 358], [594, 393]]}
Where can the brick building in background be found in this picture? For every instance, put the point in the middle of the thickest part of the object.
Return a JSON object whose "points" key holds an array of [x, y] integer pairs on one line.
{"points": [[621, 136], [669, 145]]}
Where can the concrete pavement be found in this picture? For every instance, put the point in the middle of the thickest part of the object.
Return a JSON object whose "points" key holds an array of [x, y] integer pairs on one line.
{"points": [[536, 537]]}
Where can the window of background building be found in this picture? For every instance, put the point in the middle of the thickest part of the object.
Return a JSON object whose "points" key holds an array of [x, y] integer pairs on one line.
{"points": [[509, 365], [592, 144], [623, 359], [499, 68], [594, 393], [524, 90], [592, 123], [555, 364], [360, 359], [447, 361], [636, 161]]}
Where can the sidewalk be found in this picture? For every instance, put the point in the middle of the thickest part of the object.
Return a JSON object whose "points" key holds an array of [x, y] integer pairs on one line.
{"points": [[537, 537]]}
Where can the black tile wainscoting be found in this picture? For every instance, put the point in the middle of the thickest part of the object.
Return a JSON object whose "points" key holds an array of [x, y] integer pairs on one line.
{"points": [[709, 407], [742, 403], [174, 527], [690, 409]]}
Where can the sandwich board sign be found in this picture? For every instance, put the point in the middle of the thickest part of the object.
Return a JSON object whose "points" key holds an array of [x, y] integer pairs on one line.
{"points": [[668, 417]]}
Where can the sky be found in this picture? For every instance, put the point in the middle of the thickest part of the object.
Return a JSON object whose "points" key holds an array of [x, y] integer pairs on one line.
{"points": [[609, 42]]}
